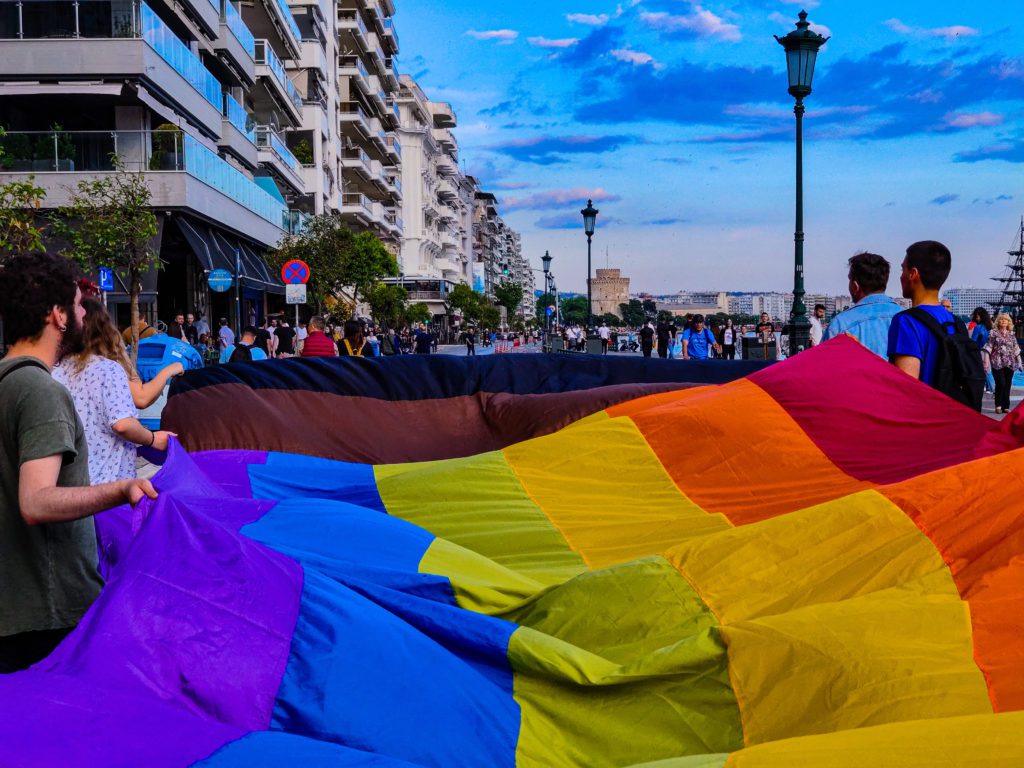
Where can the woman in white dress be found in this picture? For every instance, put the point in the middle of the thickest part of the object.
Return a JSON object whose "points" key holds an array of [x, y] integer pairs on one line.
{"points": [[98, 381]]}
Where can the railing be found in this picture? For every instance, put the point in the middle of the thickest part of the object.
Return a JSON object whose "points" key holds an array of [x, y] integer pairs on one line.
{"points": [[294, 221], [394, 144], [138, 151], [354, 62], [178, 55], [238, 117], [286, 12], [268, 138], [389, 29], [265, 55], [353, 16], [233, 21], [355, 199], [355, 153], [353, 108]]}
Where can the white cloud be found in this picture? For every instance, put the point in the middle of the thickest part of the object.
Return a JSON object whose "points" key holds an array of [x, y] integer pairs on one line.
{"points": [[590, 19], [808, 5], [973, 119], [503, 36], [543, 42], [636, 58], [947, 33], [701, 22]]}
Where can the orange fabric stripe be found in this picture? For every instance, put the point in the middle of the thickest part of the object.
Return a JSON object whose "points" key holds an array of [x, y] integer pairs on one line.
{"points": [[641, 404], [721, 445]]}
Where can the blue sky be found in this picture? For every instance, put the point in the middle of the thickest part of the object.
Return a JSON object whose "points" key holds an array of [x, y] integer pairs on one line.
{"points": [[673, 115]]}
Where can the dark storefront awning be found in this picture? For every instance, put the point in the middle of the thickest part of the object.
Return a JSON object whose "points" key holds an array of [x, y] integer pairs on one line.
{"points": [[216, 250]]}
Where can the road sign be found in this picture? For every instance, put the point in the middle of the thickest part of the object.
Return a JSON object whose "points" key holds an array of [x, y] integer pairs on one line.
{"points": [[550, 311], [106, 279], [295, 272], [220, 280], [295, 293]]}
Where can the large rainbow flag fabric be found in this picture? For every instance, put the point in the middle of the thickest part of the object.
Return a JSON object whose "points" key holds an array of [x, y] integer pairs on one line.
{"points": [[817, 564]]}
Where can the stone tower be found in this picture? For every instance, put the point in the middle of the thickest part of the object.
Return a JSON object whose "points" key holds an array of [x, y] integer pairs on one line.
{"points": [[609, 289]]}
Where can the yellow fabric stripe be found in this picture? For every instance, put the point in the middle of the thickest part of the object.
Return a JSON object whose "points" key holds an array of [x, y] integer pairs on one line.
{"points": [[899, 654], [466, 500], [605, 680], [834, 551], [602, 486], [980, 741]]}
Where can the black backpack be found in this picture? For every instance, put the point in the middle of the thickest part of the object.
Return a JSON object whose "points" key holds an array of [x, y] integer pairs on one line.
{"points": [[959, 371]]}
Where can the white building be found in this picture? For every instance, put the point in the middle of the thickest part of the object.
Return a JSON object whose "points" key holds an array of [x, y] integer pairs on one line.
{"points": [[965, 300]]}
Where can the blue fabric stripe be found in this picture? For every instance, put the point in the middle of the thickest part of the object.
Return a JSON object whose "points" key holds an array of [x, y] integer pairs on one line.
{"points": [[446, 698], [272, 749], [289, 475]]}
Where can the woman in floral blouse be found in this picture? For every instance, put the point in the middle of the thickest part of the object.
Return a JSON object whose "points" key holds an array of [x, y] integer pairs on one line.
{"points": [[1004, 354]]}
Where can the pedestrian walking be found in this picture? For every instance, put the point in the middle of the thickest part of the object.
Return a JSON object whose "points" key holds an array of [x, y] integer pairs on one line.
{"points": [[698, 341], [470, 339], [647, 339], [982, 327], [605, 335], [353, 342], [1005, 358], [317, 343], [663, 331], [727, 339]]}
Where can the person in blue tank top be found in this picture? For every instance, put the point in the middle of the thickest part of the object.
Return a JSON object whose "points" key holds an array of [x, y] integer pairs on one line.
{"points": [[912, 347]]}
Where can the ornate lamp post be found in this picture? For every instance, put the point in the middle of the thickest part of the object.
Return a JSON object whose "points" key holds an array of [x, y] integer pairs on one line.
{"points": [[589, 225], [801, 52], [546, 261]]}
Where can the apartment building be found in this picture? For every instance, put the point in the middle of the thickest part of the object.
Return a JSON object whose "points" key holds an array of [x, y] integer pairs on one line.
{"points": [[965, 300], [194, 94], [370, 190]]}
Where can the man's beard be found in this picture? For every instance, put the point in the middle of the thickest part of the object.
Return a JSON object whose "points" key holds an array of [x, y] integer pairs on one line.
{"points": [[73, 340]]}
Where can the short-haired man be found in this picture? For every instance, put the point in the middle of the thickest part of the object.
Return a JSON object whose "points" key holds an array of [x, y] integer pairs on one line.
{"points": [[317, 344], [912, 347], [47, 545], [868, 320], [698, 341], [248, 340], [817, 328], [225, 335]]}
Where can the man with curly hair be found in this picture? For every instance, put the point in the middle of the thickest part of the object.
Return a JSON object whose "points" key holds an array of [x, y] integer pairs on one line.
{"points": [[47, 543]]}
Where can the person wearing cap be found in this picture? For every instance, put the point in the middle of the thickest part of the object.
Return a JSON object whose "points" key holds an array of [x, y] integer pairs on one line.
{"points": [[698, 341]]}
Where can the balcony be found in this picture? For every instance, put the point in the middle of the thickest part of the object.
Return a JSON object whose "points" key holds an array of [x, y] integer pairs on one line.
{"points": [[182, 174], [236, 44], [284, 92], [356, 206], [394, 146], [444, 115], [273, 152], [238, 132], [446, 191], [390, 36], [352, 113], [355, 159], [112, 42], [282, 17], [352, 66], [351, 22], [394, 186]]}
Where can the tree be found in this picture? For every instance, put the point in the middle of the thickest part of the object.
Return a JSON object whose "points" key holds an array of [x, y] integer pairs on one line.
{"points": [[418, 313], [366, 262], [664, 316], [109, 222], [323, 244], [465, 300], [387, 303], [632, 313], [574, 310], [650, 309], [508, 295], [609, 318], [20, 201], [546, 300], [489, 315]]}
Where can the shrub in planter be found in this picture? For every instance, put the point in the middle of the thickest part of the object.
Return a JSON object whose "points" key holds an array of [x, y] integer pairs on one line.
{"points": [[168, 148]]}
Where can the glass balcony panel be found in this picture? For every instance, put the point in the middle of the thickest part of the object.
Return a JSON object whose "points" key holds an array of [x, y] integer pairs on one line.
{"points": [[286, 12], [265, 55], [268, 138], [238, 117], [209, 167], [178, 55], [238, 28]]}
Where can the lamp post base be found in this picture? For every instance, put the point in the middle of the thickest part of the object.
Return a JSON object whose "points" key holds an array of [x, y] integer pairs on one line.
{"points": [[800, 335]]}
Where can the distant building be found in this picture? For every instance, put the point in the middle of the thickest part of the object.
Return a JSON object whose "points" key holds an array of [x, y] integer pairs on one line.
{"points": [[966, 300], [609, 289]]}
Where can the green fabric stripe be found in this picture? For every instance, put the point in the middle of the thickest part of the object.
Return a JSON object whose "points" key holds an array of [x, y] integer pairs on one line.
{"points": [[478, 503], [603, 679]]}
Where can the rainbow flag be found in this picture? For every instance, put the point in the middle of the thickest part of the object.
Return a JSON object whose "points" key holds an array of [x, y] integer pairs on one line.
{"points": [[817, 564]]}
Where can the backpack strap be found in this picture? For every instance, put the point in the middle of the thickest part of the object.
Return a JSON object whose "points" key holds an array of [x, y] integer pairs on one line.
{"points": [[26, 363], [936, 328]]}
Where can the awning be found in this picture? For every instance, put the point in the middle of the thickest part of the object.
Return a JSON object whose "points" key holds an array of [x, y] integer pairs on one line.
{"points": [[215, 249]]}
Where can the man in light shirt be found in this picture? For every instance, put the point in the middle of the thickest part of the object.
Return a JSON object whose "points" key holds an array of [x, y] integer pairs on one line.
{"points": [[605, 334], [817, 329], [868, 320]]}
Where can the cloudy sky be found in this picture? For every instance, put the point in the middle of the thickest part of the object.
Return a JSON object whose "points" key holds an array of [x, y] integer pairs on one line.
{"points": [[673, 115]]}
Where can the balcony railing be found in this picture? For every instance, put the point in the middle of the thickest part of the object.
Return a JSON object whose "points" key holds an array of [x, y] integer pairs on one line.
{"points": [[265, 55], [394, 145], [353, 17], [286, 13], [356, 200], [268, 138], [389, 29], [354, 62], [178, 55], [139, 151], [233, 21], [238, 117], [294, 221]]}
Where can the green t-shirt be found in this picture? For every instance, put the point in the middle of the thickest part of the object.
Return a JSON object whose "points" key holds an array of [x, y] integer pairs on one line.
{"points": [[48, 576]]}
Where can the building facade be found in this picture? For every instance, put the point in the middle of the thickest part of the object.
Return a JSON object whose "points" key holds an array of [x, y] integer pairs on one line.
{"points": [[965, 300], [608, 289]]}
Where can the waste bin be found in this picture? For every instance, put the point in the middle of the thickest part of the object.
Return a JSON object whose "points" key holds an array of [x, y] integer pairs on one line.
{"points": [[594, 346], [155, 354]]}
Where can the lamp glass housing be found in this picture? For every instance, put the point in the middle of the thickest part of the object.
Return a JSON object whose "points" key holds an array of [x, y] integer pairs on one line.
{"points": [[546, 260], [589, 218]]}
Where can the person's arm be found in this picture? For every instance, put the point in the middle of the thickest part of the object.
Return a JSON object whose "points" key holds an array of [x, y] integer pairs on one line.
{"points": [[42, 501], [133, 431], [908, 364], [686, 346], [144, 395]]}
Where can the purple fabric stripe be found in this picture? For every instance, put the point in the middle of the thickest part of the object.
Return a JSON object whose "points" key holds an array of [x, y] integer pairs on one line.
{"points": [[230, 469]]}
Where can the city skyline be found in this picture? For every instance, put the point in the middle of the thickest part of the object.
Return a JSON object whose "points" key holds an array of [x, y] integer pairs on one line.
{"points": [[915, 130]]}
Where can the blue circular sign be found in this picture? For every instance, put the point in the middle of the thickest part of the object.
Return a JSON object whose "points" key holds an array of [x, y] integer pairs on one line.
{"points": [[220, 280]]}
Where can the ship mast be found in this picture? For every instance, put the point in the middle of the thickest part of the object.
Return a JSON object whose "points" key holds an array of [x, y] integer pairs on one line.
{"points": [[1012, 299]]}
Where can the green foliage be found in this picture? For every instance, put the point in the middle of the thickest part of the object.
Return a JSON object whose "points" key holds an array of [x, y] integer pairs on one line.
{"points": [[323, 244], [490, 316], [664, 316], [543, 302], [109, 222], [465, 300], [303, 152], [632, 313], [418, 313], [650, 309], [366, 262], [609, 318], [574, 310], [20, 201], [388, 303], [508, 295], [168, 139]]}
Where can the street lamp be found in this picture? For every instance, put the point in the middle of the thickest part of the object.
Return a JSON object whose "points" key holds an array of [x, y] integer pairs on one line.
{"points": [[589, 225], [546, 261], [801, 52]]}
